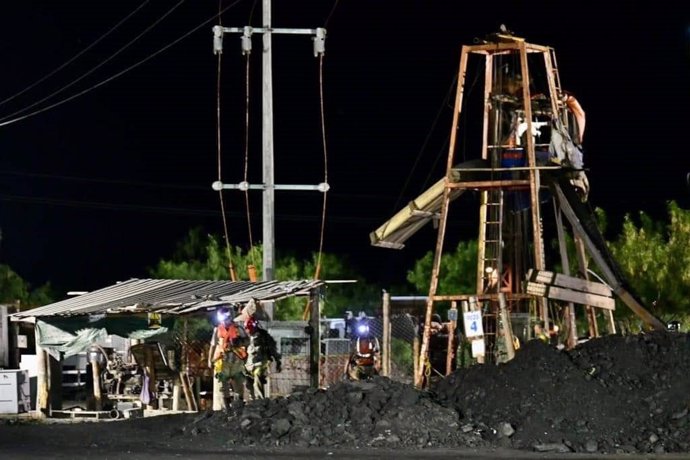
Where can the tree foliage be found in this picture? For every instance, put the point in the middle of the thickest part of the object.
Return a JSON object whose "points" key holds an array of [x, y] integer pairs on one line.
{"points": [[201, 256], [458, 270], [15, 290], [655, 257]]}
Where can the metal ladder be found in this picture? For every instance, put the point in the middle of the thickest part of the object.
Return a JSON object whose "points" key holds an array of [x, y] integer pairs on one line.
{"points": [[554, 71], [490, 266]]}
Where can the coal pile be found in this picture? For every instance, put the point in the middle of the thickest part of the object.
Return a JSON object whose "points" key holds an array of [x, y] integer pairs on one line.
{"points": [[616, 394], [377, 413], [610, 395]]}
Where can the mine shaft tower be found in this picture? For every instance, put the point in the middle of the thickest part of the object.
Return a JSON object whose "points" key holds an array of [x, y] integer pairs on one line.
{"points": [[530, 156], [514, 129]]}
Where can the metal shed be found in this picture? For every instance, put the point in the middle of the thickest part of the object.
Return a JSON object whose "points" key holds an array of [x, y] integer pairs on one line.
{"points": [[128, 307], [175, 297]]}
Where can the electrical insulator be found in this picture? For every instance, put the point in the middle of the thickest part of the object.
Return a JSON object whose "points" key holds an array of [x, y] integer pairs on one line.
{"points": [[217, 40], [247, 40], [320, 42]]}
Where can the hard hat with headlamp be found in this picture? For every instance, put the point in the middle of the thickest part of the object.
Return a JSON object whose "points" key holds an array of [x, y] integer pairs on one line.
{"points": [[223, 314]]}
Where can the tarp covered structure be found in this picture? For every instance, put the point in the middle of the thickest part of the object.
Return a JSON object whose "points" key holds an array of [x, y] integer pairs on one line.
{"points": [[126, 309]]}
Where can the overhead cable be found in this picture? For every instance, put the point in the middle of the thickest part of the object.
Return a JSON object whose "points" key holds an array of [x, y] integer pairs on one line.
{"points": [[118, 74], [114, 55], [75, 57]]}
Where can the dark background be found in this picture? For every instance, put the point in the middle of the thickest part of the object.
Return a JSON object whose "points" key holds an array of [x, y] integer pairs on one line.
{"points": [[100, 188]]}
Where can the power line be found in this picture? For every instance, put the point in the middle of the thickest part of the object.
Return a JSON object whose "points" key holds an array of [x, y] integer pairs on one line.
{"points": [[104, 206], [103, 181], [335, 5], [341, 195], [75, 57], [118, 74], [93, 69]]}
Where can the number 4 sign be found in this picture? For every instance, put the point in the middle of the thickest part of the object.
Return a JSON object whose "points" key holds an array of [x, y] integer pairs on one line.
{"points": [[473, 324]]}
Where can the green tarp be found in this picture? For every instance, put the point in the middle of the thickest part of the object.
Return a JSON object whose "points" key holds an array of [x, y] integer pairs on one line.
{"points": [[72, 335]]}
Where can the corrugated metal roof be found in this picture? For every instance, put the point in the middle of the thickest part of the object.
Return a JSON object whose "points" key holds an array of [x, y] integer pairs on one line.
{"points": [[171, 296]]}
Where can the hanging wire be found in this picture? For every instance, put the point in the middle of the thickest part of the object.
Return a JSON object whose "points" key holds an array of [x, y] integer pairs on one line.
{"points": [[98, 66], [116, 75], [246, 158], [335, 5], [75, 57], [317, 272], [251, 268], [228, 247], [251, 12], [317, 269]]}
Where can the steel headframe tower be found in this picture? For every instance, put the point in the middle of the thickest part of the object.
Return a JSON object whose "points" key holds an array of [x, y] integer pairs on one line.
{"points": [[514, 160], [506, 67]]}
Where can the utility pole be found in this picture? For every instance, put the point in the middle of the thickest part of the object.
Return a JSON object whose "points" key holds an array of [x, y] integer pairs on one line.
{"points": [[268, 186]]}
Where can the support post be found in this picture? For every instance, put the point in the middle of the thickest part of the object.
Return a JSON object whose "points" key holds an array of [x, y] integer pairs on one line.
{"points": [[611, 322], [452, 344], [151, 372], [436, 268], [415, 353], [42, 383], [589, 310], [506, 327], [571, 339], [177, 386], [189, 395], [54, 367], [96, 377], [315, 339], [267, 152], [385, 355]]}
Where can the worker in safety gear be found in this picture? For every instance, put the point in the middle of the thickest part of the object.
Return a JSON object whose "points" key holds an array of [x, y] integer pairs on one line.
{"points": [[227, 354], [262, 349], [365, 356], [539, 332]]}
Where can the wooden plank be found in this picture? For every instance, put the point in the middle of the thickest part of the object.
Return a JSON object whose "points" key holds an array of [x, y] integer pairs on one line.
{"points": [[541, 276], [559, 293], [583, 298], [570, 282], [580, 284]]}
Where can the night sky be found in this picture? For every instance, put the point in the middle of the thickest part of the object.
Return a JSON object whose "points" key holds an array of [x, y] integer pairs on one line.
{"points": [[98, 189]]}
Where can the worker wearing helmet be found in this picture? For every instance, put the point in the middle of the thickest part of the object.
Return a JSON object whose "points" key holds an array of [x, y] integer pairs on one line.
{"points": [[261, 351], [227, 354], [540, 333], [365, 355]]}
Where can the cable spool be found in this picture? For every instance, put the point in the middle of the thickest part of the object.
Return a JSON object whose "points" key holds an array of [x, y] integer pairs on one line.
{"points": [[115, 414]]}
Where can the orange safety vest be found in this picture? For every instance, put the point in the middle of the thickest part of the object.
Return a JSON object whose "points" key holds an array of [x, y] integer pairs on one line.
{"points": [[227, 336], [365, 349]]}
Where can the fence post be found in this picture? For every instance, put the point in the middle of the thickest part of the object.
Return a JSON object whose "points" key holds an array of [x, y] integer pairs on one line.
{"points": [[315, 339], [506, 327], [450, 353], [386, 348]]}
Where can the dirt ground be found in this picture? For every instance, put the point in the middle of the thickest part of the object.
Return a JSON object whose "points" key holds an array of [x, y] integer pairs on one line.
{"points": [[154, 438], [618, 397]]}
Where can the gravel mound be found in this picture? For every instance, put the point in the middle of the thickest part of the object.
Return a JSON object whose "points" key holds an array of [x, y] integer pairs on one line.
{"points": [[610, 395], [377, 413]]}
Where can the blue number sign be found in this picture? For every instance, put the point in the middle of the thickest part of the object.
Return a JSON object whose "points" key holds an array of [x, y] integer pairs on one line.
{"points": [[473, 324]]}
